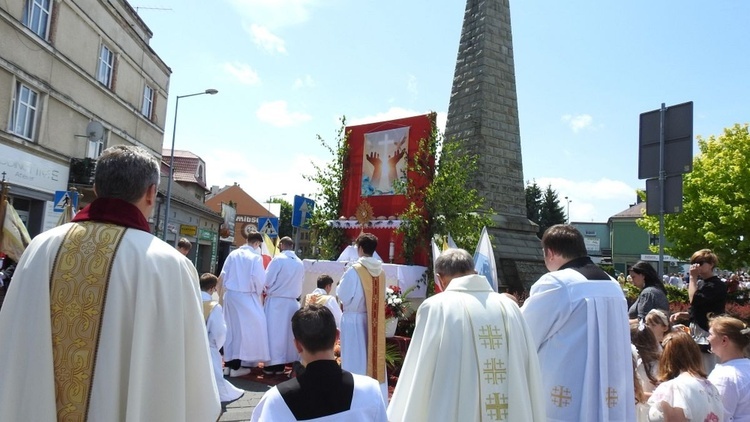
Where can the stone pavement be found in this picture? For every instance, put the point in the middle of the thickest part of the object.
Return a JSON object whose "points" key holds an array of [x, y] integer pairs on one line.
{"points": [[242, 409]]}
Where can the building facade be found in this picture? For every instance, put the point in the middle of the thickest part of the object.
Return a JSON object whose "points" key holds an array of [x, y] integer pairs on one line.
{"points": [[76, 77]]}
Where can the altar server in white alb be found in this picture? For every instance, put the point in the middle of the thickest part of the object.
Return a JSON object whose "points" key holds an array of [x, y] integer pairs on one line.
{"points": [[322, 391], [103, 321], [322, 296], [362, 295], [472, 357], [578, 316], [284, 278], [244, 278], [216, 329]]}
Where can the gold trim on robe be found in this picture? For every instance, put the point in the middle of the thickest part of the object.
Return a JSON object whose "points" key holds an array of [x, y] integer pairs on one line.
{"points": [[78, 292], [208, 306], [374, 291]]}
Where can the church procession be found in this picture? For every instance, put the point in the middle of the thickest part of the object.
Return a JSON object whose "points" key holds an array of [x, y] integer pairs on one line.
{"points": [[423, 280]]}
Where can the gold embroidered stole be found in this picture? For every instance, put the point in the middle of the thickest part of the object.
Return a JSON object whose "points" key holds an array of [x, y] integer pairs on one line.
{"points": [[208, 306], [78, 292], [374, 288], [317, 299]]}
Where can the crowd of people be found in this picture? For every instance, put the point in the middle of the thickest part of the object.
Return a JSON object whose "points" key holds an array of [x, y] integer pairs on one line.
{"points": [[106, 322]]}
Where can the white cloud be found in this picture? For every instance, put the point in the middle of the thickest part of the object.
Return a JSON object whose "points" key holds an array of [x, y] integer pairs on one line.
{"points": [[277, 114], [591, 200], [242, 72], [578, 122], [265, 39], [275, 13], [304, 82]]}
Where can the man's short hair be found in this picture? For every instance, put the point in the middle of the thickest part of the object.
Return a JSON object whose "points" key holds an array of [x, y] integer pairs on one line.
{"points": [[705, 255], [253, 236], [454, 262], [324, 280], [315, 328], [286, 241], [125, 172], [184, 244], [368, 242], [208, 281], [564, 240]]}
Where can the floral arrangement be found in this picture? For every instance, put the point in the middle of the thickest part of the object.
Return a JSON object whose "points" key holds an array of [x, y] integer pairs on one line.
{"points": [[395, 302]]}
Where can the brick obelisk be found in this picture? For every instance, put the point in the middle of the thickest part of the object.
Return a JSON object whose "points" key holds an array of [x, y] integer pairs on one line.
{"points": [[483, 117]]}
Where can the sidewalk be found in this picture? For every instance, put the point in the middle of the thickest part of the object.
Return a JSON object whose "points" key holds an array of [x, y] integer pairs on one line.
{"points": [[242, 409]]}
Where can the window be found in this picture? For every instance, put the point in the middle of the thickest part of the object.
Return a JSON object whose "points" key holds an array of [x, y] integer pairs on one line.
{"points": [[148, 102], [106, 66], [94, 149], [23, 111], [36, 16]]}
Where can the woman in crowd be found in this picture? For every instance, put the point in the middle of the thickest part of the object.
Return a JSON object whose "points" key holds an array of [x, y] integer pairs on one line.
{"points": [[729, 339], [653, 293], [648, 352], [684, 392]]}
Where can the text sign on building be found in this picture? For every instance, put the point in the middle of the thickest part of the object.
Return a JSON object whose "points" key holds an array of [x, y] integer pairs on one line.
{"points": [[592, 244], [648, 257], [187, 230]]}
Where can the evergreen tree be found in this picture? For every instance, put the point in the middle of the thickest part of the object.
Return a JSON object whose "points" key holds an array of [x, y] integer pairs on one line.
{"points": [[552, 212], [533, 201]]}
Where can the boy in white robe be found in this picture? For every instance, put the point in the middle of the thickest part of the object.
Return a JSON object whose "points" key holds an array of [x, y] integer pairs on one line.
{"points": [[471, 358], [322, 392], [322, 296], [216, 329], [578, 316]]}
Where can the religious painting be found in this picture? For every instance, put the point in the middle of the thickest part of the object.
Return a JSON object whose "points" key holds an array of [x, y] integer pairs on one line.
{"points": [[384, 163]]}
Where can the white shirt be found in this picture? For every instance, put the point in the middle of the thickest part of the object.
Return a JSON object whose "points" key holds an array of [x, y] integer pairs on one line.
{"points": [[243, 271], [732, 379]]}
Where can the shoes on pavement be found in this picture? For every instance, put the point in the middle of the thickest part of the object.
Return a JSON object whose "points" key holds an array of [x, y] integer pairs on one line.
{"points": [[273, 371], [239, 372]]}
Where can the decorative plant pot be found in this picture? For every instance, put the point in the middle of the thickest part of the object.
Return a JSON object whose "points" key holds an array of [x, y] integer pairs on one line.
{"points": [[390, 327]]}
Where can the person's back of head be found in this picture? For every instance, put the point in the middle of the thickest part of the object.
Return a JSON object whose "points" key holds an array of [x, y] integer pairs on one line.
{"points": [[314, 327], [455, 263], [368, 242], [184, 246], [565, 240], [324, 280], [680, 354], [287, 243], [208, 281], [254, 236], [126, 173]]}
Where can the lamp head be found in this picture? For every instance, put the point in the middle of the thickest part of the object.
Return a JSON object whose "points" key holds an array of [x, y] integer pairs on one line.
{"points": [[211, 91]]}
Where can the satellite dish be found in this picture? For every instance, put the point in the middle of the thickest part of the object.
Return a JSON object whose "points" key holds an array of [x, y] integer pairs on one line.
{"points": [[95, 131]]}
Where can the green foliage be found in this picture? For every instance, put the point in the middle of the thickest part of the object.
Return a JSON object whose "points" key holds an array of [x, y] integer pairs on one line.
{"points": [[676, 294], [543, 208], [285, 217], [716, 202], [609, 269], [328, 240], [447, 204]]}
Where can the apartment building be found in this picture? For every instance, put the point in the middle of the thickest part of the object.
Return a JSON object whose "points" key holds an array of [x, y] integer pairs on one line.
{"points": [[76, 77]]}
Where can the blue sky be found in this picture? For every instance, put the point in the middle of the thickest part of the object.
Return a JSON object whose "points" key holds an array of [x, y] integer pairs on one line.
{"points": [[287, 70]]}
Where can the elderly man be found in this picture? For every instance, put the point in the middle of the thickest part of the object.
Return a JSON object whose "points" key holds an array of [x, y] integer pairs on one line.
{"points": [[472, 356], [103, 321], [579, 320], [284, 278]]}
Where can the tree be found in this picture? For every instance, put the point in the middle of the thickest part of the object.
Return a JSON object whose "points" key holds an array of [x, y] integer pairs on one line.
{"points": [[329, 241], [533, 201], [716, 202], [285, 217], [551, 213]]}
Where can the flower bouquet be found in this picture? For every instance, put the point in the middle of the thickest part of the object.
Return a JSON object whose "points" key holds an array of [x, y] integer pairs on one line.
{"points": [[395, 303]]}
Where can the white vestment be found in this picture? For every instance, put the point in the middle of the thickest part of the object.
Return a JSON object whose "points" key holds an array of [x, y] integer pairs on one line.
{"points": [[354, 320], [366, 405], [244, 279], [284, 277], [153, 360], [581, 331], [330, 303], [217, 333], [471, 358]]}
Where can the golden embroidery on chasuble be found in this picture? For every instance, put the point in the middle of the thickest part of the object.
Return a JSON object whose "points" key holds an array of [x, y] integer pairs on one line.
{"points": [[561, 396], [78, 290], [496, 406], [611, 398]]}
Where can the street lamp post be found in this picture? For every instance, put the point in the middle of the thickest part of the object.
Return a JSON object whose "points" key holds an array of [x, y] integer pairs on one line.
{"points": [[568, 212], [171, 158]]}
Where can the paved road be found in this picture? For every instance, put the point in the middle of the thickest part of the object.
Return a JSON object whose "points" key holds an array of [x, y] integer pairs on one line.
{"points": [[242, 409]]}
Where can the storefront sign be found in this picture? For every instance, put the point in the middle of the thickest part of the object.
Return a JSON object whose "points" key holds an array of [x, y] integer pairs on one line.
{"points": [[31, 171], [186, 230]]}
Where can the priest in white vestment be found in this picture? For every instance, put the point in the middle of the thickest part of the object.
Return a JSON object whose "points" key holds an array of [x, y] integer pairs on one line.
{"points": [[578, 316], [103, 320], [357, 331], [217, 334], [322, 391], [243, 277], [284, 277], [322, 296], [471, 358]]}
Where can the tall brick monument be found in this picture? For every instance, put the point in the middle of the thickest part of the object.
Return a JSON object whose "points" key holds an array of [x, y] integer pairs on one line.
{"points": [[483, 117]]}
